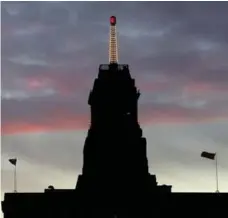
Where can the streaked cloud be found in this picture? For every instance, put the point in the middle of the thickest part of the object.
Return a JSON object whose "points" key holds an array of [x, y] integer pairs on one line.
{"points": [[26, 60]]}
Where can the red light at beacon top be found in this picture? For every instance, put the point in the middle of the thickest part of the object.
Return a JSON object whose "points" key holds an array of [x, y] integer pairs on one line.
{"points": [[113, 20]]}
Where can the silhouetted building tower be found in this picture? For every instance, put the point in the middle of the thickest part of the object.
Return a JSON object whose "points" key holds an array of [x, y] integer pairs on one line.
{"points": [[115, 166]]}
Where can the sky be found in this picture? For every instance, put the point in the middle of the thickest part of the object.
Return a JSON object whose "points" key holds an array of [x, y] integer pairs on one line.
{"points": [[177, 53]]}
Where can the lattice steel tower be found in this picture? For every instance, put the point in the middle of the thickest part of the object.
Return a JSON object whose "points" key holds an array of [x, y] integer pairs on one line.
{"points": [[113, 47]]}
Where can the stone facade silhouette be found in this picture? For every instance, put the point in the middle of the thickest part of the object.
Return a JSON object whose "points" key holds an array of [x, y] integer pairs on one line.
{"points": [[115, 165]]}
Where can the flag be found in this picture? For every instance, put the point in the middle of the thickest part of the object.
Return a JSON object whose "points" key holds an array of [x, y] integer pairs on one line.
{"points": [[13, 161], [208, 155]]}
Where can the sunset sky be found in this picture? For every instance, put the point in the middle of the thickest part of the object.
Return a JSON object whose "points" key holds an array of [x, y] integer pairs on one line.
{"points": [[178, 54]]}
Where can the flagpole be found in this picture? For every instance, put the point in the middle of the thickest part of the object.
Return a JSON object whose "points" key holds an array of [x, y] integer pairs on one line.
{"points": [[15, 179], [216, 167]]}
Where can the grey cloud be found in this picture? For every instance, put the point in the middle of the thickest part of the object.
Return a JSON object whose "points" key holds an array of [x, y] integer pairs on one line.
{"points": [[26, 60], [174, 51], [20, 95], [43, 110]]}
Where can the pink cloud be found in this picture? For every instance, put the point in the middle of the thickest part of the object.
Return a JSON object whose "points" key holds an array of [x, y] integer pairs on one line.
{"points": [[38, 115], [57, 123], [63, 119], [204, 87]]}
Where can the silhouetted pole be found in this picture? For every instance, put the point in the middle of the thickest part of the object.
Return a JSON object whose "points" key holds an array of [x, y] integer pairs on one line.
{"points": [[216, 167], [14, 162], [15, 178], [212, 156]]}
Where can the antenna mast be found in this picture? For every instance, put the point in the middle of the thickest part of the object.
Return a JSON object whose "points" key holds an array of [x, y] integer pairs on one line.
{"points": [[113, 49]]}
